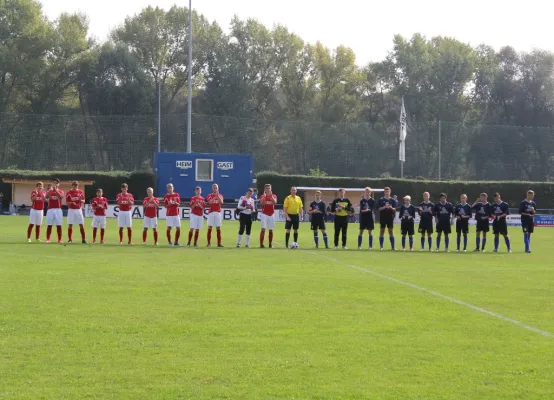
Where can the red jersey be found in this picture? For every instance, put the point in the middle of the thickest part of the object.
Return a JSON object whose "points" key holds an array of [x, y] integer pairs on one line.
{"points": [[74, 199], [268, 208], [99, 206], [216, 206], [125, 201], [171, 203], [197, 205], [151, 207], [39, 197], [55, 200]]}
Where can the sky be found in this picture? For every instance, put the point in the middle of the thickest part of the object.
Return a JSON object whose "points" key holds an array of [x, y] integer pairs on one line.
{"points": [[366, 26]]}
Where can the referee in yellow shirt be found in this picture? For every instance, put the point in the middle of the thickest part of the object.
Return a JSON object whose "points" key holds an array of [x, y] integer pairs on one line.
{"points": [[292, 208]]}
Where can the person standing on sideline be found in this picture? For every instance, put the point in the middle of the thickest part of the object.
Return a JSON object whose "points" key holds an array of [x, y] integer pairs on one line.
{"points": [[215, 200], [197, 206], [172, 201], [387, 213], [426, 212], [246, 206], [482, 215], [500, 210], [292, 208], [99, 208], [38, 197], [367, 204], [407, 217], [267, 201], [444, 216], [527, 210], [150, 207], [342, 208], [54, 214], [125, 201], [75, 198], [317, 212], [462, 212]]}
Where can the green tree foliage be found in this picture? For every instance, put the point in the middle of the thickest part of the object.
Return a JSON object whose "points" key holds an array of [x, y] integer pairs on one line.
{"points": [[262, 90]]}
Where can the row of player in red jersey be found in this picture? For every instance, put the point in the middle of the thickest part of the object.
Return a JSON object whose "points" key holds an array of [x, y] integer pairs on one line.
{"points": [[75, 199]]}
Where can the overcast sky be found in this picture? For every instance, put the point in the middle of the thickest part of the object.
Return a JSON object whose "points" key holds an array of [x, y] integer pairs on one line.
{"points": [[364, 25]]}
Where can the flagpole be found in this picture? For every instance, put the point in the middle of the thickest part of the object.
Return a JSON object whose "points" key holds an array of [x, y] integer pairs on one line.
{"points": [[403, 133]]}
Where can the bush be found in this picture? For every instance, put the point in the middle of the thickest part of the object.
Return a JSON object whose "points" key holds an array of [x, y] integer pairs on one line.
{"points": [[512, 191], [109, 181]]}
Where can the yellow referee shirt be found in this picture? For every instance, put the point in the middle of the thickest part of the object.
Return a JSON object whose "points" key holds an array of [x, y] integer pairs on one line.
{"points": [[293, 204]]}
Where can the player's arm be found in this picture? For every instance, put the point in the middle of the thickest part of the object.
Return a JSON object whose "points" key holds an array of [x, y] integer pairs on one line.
{"points": [[131, 199], [240, 206], [393, 207], [522, 210], [68, 199], [384, 207]]}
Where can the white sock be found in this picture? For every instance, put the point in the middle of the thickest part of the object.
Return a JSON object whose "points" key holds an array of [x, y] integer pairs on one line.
{"points": [[248, 240], [239, 239]]}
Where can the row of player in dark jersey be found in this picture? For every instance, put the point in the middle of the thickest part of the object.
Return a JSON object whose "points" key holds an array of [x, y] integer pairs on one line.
{"points": [[443, 214]]}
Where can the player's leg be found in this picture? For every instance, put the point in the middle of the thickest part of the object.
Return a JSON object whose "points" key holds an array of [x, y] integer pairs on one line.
{"points": [[94, 229], [337, 230], [49, 223], [218, 229], [168, 230], [129, 224], [316, 235], [382, 235], [439, 236], [177, 223], [31, 224], [210, 226], [121, 225], [262, 234], [391, 234], [191, 233], [145, 232], [458, 235], [288, 225], [422, 232], [242, 227], [446, 237], [295, 226], [496, 234], [324, 233], [360, 236], [248, 230], [411, 239], [370, 234], [403, 234], [504, 232], [59, 221], [344, 232]]}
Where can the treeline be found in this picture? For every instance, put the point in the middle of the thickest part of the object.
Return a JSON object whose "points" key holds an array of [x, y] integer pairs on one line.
{"points": [[266, 91]]}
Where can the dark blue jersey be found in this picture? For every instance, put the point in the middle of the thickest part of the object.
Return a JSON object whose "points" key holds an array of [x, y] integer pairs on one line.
{"points": [[388, 212], [444, 211], [462, 210], [500, 208], [317, 205], [426, 211], [366, 207], [527, 207], [406, 212], [482, 210]]}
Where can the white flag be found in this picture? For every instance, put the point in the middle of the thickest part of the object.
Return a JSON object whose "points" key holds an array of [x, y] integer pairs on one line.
{"points": [[403, 133]]}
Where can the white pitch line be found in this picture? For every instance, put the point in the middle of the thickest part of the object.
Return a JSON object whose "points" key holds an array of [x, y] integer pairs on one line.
{"points": [[442, 296]]}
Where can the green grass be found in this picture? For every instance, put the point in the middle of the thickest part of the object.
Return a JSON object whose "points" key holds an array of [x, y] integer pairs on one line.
{"points": [[122, 322]]}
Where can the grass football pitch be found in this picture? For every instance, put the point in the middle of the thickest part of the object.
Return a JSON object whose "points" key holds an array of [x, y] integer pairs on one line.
{"points": [[140, 322]]}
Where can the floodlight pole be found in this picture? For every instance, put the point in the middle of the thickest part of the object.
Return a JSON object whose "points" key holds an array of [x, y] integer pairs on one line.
{"points": [[189, 101], [157, 71]]}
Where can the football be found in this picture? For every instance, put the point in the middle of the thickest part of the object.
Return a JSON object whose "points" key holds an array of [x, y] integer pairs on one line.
{"points": [[294, 245]]}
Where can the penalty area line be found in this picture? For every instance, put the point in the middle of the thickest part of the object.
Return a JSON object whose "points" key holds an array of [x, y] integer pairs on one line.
{"points": [[440, 295]]}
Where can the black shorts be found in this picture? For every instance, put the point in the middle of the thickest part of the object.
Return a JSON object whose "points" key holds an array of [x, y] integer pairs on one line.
{"points": [[483, 225], [366, 222], [407, 227], [462, 226], [527, 225], [387, 221], [444, 227], [318, 223], [425, 226], [500, 227], [294, 222]]}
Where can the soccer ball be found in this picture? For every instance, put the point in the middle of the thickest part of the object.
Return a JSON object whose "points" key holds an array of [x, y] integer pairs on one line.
{"points": [[294, 245]]}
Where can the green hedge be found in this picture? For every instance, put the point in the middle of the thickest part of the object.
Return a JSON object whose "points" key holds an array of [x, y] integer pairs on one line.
{"points": [[110, 182], [512, 192]]}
